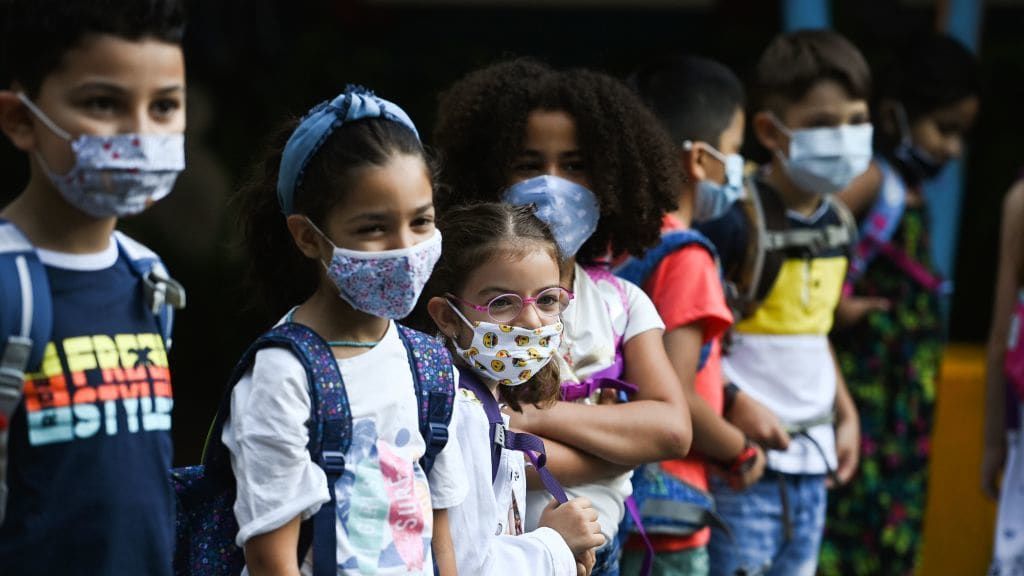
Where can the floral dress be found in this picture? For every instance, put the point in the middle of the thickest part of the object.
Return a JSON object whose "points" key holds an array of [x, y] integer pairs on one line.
{"points": [[890, 361]]}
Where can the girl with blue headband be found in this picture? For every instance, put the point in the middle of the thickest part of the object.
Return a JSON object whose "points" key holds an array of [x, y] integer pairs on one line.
{"points": [[339, 428]]}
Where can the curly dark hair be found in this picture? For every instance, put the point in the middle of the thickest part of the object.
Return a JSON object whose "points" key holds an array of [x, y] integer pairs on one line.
{"points": [[279, 275], [472, 235], [631, 161]]}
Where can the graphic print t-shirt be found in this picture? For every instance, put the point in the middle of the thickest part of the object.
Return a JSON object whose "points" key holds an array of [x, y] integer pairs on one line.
{"points": [[90, 446], [384, 503]]}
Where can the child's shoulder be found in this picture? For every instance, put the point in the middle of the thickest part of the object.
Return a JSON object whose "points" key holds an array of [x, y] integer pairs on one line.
{"points": [[134, 249]]}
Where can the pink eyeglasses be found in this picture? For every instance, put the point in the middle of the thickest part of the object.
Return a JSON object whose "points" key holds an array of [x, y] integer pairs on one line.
{"points": [[507, 307]]}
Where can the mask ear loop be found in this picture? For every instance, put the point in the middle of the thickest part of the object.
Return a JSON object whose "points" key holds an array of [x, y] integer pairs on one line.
{"points": [[60, 132], [326, 265], [459, 313], [903, 124]]}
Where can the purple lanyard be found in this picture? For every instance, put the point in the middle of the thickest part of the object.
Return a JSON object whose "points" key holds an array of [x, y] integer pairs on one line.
{"points": [[503, 438]]}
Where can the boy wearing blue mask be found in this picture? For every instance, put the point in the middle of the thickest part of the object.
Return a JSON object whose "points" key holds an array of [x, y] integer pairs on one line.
{"points": [[786, 249], [700, 103], [96, 102]]}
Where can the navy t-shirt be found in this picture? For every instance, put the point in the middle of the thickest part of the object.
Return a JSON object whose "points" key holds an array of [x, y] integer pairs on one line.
{"points": [[90, 445]]}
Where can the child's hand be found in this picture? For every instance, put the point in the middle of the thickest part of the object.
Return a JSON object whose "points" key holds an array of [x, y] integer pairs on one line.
{"points": [[847, 448], [852, 309], [576, 521], [993, 459], [748, 478], [585, 563], [758, 423]]}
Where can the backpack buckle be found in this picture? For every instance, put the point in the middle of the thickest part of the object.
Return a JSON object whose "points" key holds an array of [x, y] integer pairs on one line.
{"points": [[12, 371], [438, 435], [499, 434], [332, 462], [163, 291]]}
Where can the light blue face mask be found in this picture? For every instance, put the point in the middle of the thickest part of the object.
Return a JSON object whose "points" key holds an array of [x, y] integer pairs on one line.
{"points": [[714, 198], [570, 210], [826, 160]]}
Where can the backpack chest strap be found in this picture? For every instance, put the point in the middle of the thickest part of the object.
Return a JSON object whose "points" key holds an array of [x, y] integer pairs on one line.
{"points": [[814, 241]]}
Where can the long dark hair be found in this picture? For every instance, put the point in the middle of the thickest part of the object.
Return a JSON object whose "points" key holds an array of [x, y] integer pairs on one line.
{"points": [[475, 234], [280, 276]]}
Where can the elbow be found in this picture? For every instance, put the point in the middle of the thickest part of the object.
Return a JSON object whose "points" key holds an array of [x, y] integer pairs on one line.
{"points": [[678, 438]]}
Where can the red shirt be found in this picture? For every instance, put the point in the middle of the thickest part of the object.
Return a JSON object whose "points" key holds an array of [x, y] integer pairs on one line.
{"points": [[686, 288]]}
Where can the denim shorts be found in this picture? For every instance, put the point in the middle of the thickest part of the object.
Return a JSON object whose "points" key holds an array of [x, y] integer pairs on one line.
{"points": [[607, 562]]}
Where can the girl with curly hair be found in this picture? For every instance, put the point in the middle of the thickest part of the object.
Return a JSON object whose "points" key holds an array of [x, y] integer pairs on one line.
{"points": [[582, 148]]}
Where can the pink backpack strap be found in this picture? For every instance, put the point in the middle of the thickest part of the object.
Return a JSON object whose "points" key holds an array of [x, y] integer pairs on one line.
{"points": [[1014, 359], [598, 273]]}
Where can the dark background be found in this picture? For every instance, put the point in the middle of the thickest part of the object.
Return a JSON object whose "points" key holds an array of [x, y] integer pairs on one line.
{"points": [[251, 63]]}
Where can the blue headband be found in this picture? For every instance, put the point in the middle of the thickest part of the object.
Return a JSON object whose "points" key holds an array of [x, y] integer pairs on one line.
{"points": [[354, 103]]}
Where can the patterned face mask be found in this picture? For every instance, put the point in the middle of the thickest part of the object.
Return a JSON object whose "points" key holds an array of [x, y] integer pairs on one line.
{"points": [[384, 284], [116, 175], [509, 355]]}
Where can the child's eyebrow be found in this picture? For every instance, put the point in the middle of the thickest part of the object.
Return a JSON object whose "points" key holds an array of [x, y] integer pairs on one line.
{"points": [[424, 209], [370, 216], [100, 85], [171, 89]]}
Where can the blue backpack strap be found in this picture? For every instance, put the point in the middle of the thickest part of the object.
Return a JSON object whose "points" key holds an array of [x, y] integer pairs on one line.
{"points": [[330, 425], [163, 293], [26, 321], [435, 389], [638, 270]]}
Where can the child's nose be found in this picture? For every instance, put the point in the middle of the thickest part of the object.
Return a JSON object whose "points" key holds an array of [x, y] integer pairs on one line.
{"points": [[530, 317], [139, 122], [403, 239]]}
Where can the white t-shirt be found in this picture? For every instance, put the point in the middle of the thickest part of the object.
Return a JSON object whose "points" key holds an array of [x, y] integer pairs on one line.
{"points": [[384, 504], [593, 318], [794, 376], [487, 528]]}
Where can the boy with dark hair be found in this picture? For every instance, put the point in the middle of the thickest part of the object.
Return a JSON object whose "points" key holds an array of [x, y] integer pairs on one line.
{"points": [[812, 114], [700, 102], [96, 102]]}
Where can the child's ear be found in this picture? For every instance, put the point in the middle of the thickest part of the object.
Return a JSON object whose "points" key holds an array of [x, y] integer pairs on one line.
{"points": [[693, 167], [16, 121], [306, 238], [445, 319], [887, 120], [768, 133]]}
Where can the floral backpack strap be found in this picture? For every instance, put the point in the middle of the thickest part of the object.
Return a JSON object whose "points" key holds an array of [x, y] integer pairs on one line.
{"points": [[431, 367]]}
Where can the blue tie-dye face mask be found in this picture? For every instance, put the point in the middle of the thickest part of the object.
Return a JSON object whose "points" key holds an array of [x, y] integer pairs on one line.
{"points": [[570, 210]]}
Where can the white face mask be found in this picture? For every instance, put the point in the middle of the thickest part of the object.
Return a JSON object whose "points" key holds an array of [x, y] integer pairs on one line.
{"points": [[713, 199], [116, 175], [826, 160], [509, 355]]}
